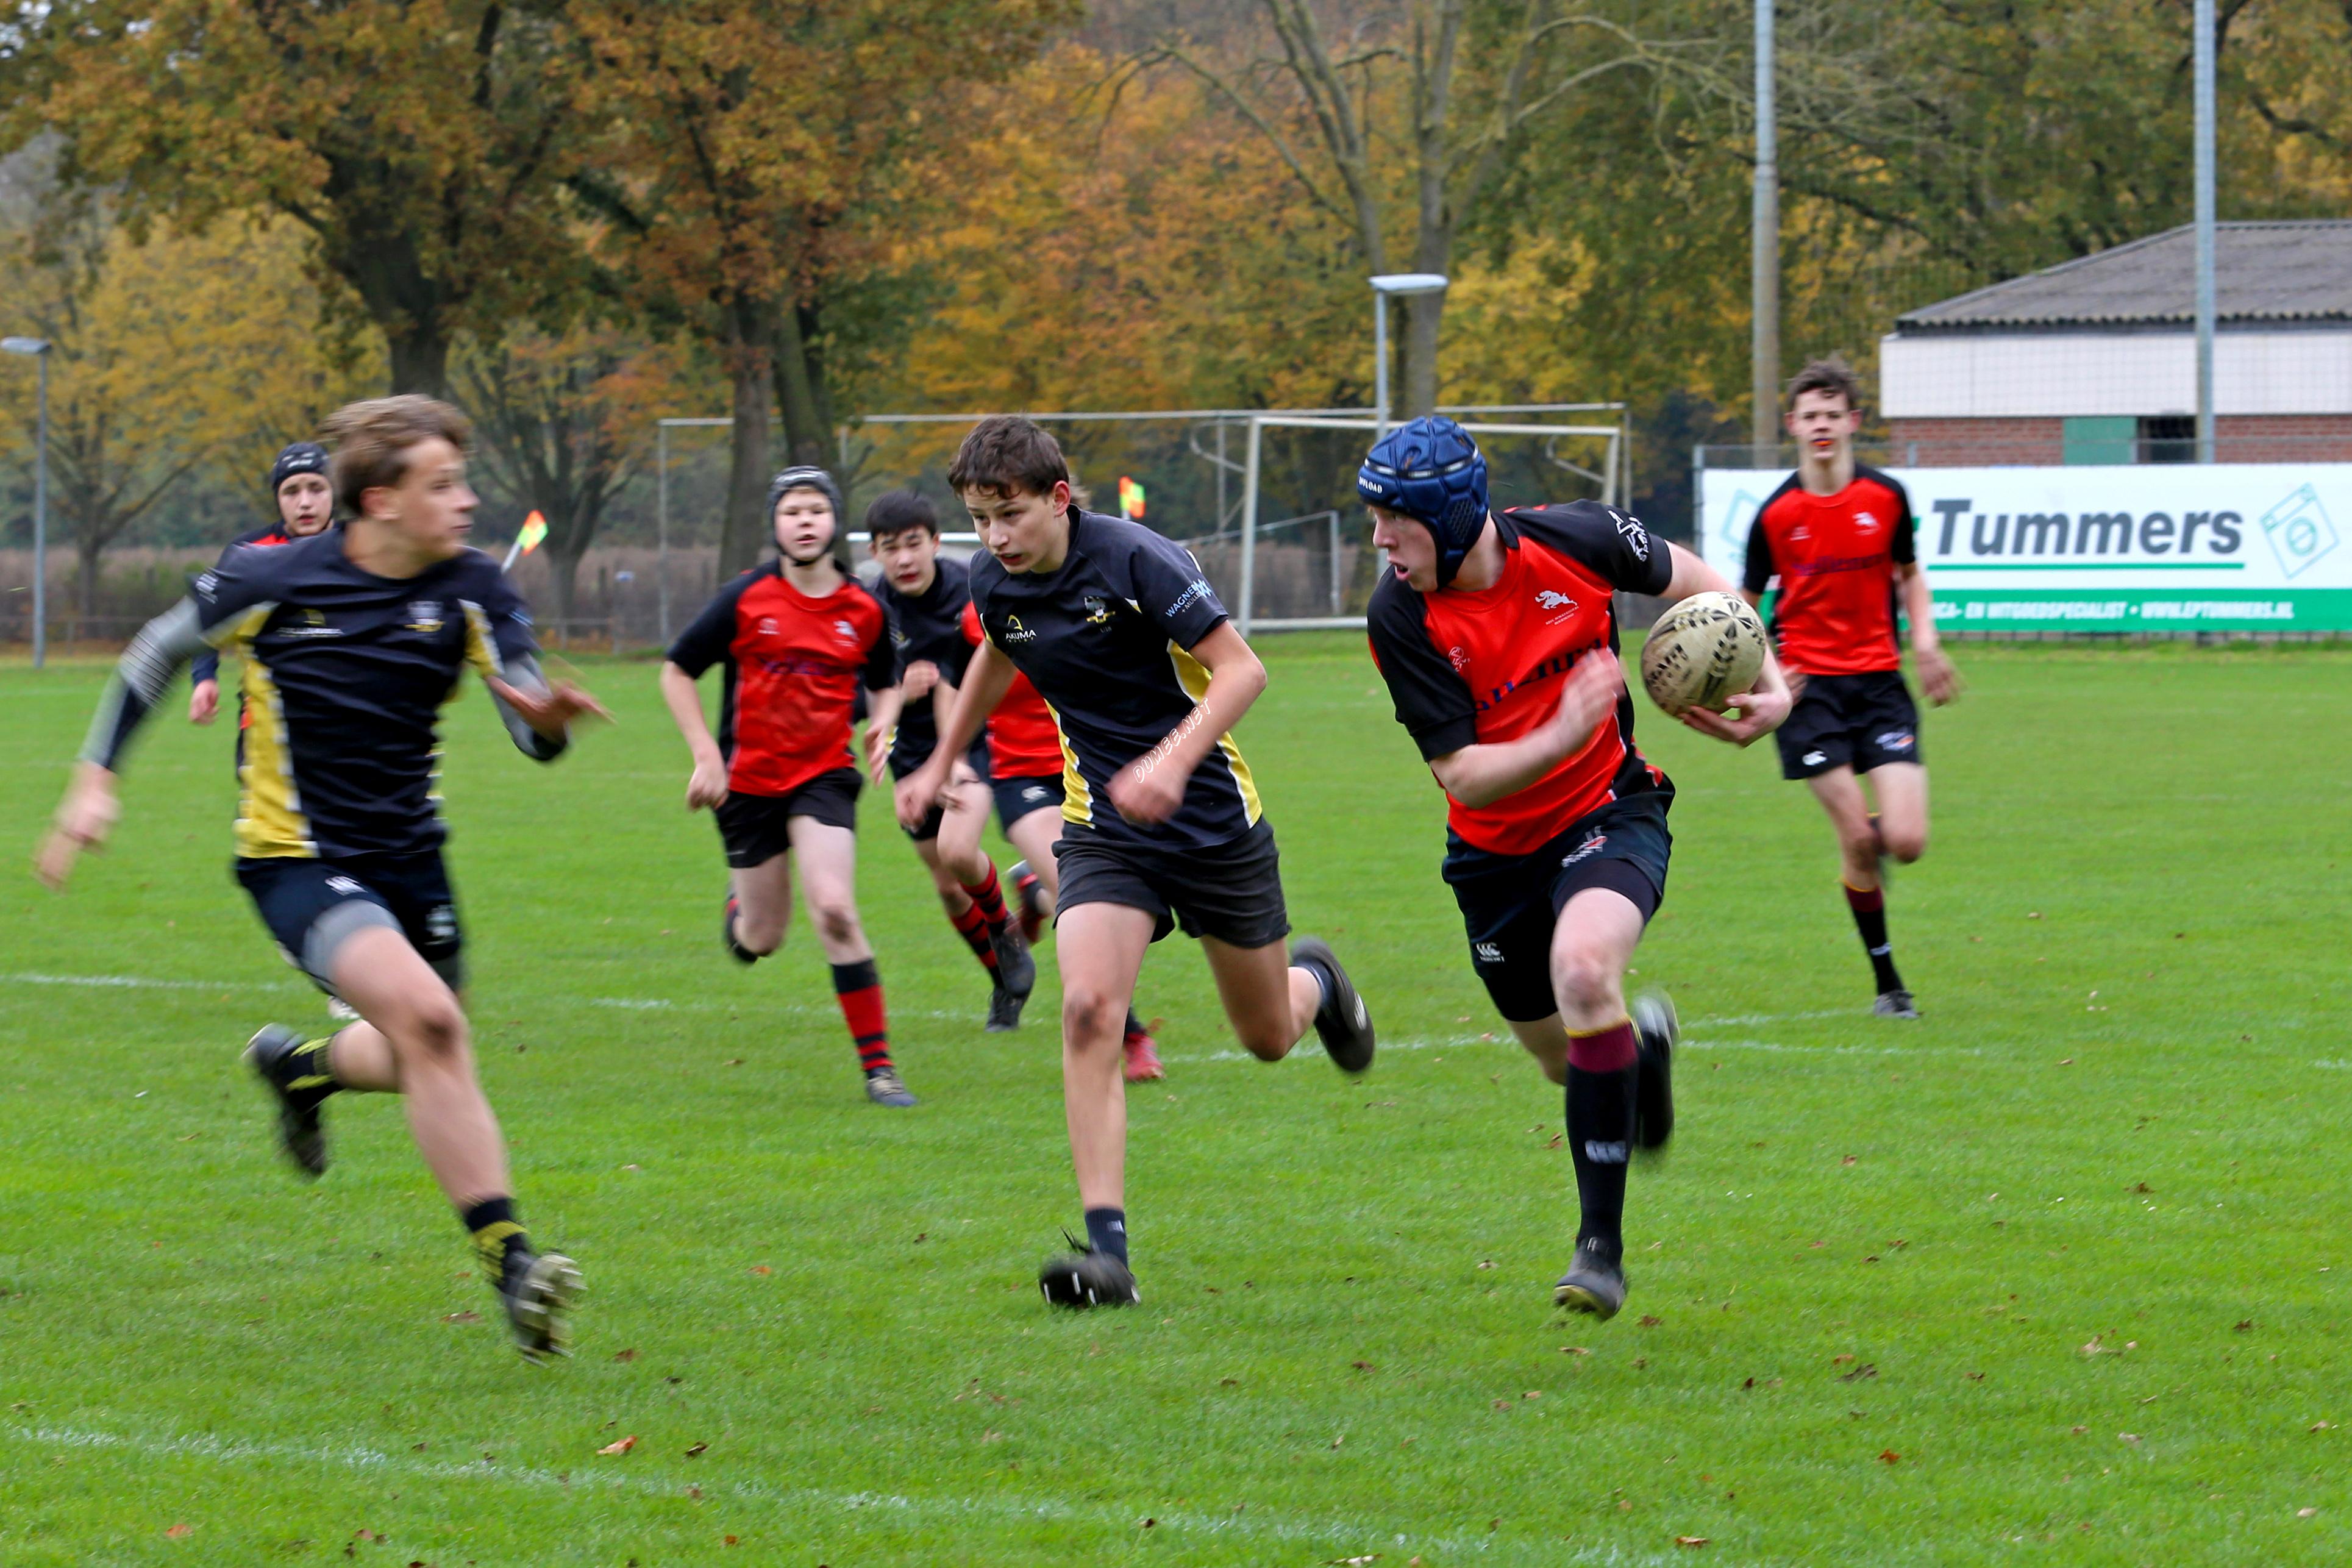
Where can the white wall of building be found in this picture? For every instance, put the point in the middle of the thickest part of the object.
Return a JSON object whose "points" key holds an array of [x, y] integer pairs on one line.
{"points": [[2019, 376]]}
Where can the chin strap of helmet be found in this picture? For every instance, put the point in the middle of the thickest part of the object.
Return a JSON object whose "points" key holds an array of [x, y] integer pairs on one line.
{"points": [[1431, 470]]}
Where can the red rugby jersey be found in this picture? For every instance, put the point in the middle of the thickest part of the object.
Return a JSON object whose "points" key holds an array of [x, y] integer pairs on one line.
{"points": [[1478, 667], [1835, 556], [1023, 741], [793, 665]]}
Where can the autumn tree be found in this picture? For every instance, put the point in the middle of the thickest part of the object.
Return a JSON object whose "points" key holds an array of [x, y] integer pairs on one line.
{"points": [[420, 144], [757, 156], [564, 422], [1397, 116], [185, 352]]}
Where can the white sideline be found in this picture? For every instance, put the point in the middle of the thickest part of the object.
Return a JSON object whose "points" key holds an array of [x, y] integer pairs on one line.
{"points": [[142, 983], [613, 1477]]}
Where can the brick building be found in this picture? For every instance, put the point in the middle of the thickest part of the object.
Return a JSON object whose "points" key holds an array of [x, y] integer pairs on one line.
{"points": [[2094, 361]]}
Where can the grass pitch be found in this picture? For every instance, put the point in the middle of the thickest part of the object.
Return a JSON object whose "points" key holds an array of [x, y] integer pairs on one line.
{"points": [[2056, 1275]]}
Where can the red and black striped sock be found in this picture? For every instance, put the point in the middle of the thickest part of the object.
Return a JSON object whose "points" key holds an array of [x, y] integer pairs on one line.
{"points": [[988, 899], [972, 927], [858, 988]]}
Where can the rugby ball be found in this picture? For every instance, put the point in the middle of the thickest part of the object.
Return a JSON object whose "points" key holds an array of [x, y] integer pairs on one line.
{"points": [[1702, 652]]}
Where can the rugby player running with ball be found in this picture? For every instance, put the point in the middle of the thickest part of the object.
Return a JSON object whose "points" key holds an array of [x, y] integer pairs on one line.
{"points": [[1496, 633], [1123, 637]]}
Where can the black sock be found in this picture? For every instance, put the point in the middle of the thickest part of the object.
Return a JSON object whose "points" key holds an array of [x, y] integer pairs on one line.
{"points": [[1325, 982], [1869, 907], [1107, 1232], [1134, 1025], [498, 1238], [1599, 1142]]}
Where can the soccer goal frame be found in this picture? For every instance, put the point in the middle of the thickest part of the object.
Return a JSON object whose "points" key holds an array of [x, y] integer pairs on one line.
{"points": [[1614, 477]]}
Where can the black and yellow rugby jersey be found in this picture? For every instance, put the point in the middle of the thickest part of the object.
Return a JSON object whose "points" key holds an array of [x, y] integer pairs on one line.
{"points": [[1105, 637], [345, 674]]}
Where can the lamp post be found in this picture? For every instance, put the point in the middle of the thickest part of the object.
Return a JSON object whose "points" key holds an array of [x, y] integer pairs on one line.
{"points": [[2202, 132], [1402, 286], [39, 349]]}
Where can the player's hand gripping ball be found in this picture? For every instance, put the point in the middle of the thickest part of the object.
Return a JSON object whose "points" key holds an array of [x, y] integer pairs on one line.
{"points": [[1703, 652]]}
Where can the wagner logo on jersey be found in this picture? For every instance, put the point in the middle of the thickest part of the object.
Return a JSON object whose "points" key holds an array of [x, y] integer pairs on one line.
{"points": [[1483, 666], [1835, 558]]}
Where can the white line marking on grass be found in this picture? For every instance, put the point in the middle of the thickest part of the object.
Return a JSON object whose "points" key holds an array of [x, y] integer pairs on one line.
{"points": [[143, 983], [763, 1008], [1315, 1049], [1334, 1536], [1782, 1017], [1832, 1050]]}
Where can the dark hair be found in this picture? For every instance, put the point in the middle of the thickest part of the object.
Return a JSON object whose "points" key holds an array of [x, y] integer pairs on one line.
{"points": [[1831, 375], [895, 512], [1008, 455], [372, 440]]}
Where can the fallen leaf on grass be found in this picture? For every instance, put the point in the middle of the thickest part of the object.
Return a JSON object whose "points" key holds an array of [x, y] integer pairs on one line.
{"points": [[1651, 1323], [1866, 1370], [625, 1355], [2322, 1425], [1502, 1405], [1690, 1541], [698, 1450], [2304, 1513], [181, 1531], [1364, 1366], [729, 1538], [1148, 1524], [1339, 1439], [2131, 1437], [1888, 1456], [762, 1268], [1847, 1160], [463, 1318], [1354, 1561], [1574, 1349], [1486, 1263], [622, 1447], [1841, 1359], [2246, 1325]]}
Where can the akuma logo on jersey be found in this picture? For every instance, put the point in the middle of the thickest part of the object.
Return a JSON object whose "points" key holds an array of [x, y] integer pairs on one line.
{"points": [[1015, 631], [314, 624], [1630, 528]]}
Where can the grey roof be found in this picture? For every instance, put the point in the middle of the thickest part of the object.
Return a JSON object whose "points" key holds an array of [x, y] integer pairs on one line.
{"points": [[2284, 272]]}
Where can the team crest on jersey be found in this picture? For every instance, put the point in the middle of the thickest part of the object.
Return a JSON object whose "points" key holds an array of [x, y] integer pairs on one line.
{"points": [[424, 615], [1864, 522], [1459, 658], [1561, 604], [1098, 610], [844, 631], [897, 637], [767, 625], [1799, 533]]}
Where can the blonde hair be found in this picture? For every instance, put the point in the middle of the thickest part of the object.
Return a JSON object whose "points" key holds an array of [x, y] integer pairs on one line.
{"points": [[371, 441]]}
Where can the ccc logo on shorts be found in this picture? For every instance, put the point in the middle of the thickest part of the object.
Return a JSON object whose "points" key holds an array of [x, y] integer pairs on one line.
{"points": [[1487, 952], [1897, 740], [345, 886], [441, 925], [1035, 791]]}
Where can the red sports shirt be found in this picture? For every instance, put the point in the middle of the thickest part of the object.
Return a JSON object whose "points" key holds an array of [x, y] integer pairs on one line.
{"points": [[1835, 556], [793, 665], [1023, 741], [1477, 668]]}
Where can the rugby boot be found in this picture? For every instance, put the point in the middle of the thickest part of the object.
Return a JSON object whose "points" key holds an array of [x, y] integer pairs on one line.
{"points": [[1016, 977], [1894, 1004], [295, 1070], [1656, 1030], [539, 1292], [1030, 908], [1140, 1054], [735, 950], [885, 1087], [1086, 1277], [1342, 1023], [1594, 1283]]}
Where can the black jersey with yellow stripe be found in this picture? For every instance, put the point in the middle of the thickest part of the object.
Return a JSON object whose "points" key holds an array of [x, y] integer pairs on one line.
{"points": [[345, 674], [1107, 639]]}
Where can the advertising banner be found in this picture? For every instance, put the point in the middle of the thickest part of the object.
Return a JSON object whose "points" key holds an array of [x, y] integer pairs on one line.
{"points": [[2149, 547]]}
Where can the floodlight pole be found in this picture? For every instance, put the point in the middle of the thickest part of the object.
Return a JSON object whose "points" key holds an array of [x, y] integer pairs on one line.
{"points": [[2203, 20], [1764, 256], [39, 349], [1404, 285]]}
